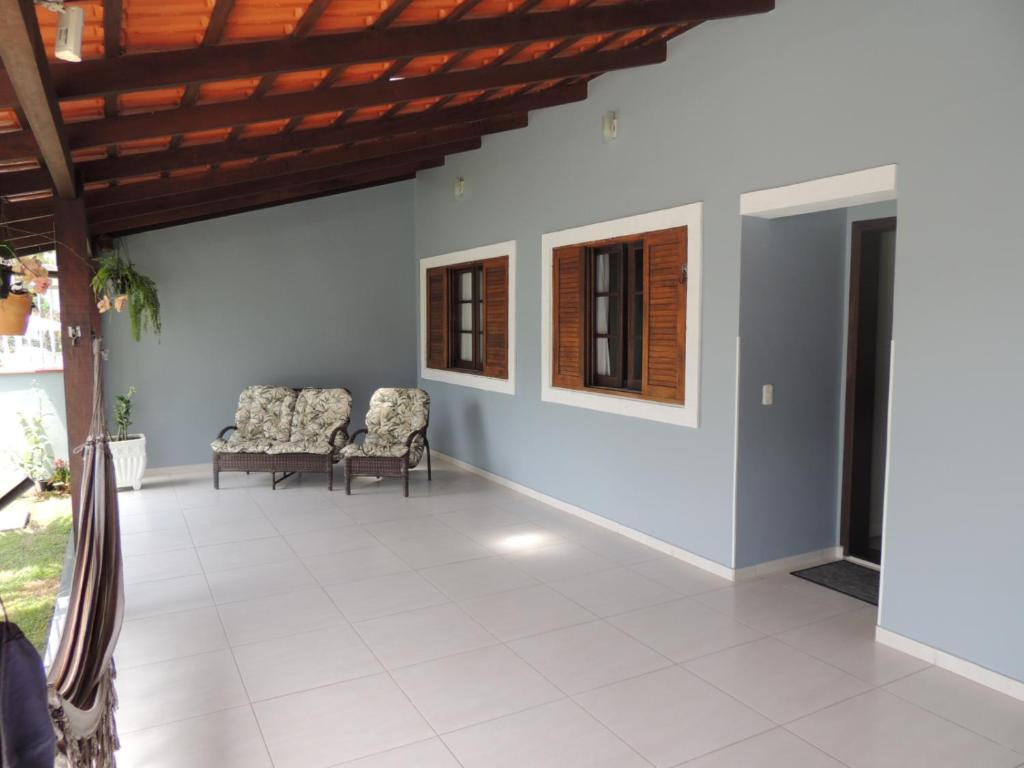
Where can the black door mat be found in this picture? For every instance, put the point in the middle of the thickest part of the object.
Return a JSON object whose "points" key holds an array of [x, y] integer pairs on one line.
{"points": [[846, 577]]}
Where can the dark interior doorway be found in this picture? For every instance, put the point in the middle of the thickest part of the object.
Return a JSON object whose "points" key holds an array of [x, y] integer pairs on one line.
{"points": [[872, 262]]}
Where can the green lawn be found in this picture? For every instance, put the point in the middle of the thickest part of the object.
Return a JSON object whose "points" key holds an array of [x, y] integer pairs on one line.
{"points": [[31, 562]]}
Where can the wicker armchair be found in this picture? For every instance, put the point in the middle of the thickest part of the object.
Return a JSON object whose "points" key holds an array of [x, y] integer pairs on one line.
{"points": [[284, 430], [396, 437]]}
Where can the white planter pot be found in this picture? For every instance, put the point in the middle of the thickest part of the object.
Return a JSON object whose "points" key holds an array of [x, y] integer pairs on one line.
{"points": [[129, 460]]}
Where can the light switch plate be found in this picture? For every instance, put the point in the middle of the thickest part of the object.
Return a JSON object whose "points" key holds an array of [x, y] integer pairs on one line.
{"points": [[768, 394]]}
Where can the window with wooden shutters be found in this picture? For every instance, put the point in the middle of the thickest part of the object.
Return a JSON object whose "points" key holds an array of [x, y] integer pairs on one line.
{"points": [[467, 308], [619, 316]]}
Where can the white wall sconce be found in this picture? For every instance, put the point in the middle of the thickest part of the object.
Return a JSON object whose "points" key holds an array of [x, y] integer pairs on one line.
{"points": [[460, 188], [610, 126]]}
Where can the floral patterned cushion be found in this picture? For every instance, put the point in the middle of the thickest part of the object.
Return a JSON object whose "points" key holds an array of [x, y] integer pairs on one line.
{"points": [[394, 415], [235, 444], [265, 413], [317, 413], [320, 446]]}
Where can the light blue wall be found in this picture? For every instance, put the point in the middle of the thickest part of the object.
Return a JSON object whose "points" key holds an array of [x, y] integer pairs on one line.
{"points": [[791, 331], [317, 293], [809, 90], [32, 393]]}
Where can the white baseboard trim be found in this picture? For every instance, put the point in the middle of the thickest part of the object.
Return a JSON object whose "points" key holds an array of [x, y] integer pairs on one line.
{"points": [[654, 543], [956, 665], [793, 563]]}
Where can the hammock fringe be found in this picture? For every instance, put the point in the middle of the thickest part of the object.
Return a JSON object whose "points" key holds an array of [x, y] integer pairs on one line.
{"points": [[95, 749]]}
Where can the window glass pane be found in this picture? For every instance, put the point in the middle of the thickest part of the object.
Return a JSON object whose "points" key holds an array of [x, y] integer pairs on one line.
{"points": [[466, 347], [603, 358], [602, 266], [466, 286], [601, 312], [638, 337], [480, 346], [466, 321]]}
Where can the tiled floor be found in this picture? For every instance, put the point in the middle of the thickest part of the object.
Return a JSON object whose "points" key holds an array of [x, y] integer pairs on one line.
{"points": [[470, 626]]}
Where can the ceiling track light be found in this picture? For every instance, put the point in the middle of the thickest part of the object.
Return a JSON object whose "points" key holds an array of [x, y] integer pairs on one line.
{"points": [[70, 25]]}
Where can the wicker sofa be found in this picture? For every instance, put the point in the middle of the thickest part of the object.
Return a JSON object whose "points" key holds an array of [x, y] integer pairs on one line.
{"points": [[284, 430], [396, 437]]}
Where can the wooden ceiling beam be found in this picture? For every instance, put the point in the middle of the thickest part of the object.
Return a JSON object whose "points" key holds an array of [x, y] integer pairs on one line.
{"points": [[221, 115], [198, 65], [24, 59], [24, 182], [376, 152], [255, 199], [246, 180]]}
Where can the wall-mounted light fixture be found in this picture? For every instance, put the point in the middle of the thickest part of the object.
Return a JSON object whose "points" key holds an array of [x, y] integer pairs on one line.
{"points": [[70, 23], [610, 126], [460, 188]]}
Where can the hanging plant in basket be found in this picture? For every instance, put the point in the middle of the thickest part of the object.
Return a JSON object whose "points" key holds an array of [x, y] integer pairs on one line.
{"points": [[22, 278], [119, 286]]}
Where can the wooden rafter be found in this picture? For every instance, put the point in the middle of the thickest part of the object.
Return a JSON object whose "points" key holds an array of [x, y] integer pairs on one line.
{"points": [[227, 62], [226, 114], [21, 48], [24, 182], [257, 199]]}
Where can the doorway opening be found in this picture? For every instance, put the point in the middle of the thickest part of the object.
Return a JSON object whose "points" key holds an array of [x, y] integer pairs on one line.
{"points": [[868, 356]]}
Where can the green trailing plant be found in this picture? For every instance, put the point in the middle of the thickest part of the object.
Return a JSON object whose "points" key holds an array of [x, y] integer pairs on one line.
{"points": [[35, 459], [123, 413], [118, 286]]}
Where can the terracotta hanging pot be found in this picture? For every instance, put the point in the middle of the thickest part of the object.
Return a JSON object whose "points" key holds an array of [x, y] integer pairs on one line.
{"points": [[15, 312]]}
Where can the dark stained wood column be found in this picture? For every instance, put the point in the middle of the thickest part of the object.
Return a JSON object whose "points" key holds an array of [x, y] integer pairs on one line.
{"points": [[77, 310]]}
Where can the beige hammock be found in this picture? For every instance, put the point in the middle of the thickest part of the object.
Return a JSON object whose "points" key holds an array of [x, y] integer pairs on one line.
{"points": [[81, 678]]}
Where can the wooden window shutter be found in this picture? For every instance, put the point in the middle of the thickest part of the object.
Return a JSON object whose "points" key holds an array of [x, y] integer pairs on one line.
{"points": [[496, 317], [437, 317], [665, 315], [568, 307]]}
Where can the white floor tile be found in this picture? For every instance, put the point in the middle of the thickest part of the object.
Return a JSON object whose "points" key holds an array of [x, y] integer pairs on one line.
{"points": [[683, 578], [169, 636], [779, 604], [272, 616], [528, 611], [561, 561], [516, 538], [774, 749], [587, 656], [340, 722], [354, 565], [423, 635], [474, 578], [384, 595], [149, 542], [323, 517], [880, 730], [161, 565], [469, 688], [407, 528], [556, 735], [437, 550], [848, 642], [424, 754], [777, 680], [684, 629], [330, 541], [152, 598], [973, 706], [607, 593], [617, 547], [300, 662], [228, 739], [240, 554], [480, 519], [254, 527], [162, 520], [168, 691], [671, 716], [268, 579]]}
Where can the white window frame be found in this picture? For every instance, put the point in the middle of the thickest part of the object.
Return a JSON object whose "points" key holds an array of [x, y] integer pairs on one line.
{"points": [[685, 415], [461, 378]]}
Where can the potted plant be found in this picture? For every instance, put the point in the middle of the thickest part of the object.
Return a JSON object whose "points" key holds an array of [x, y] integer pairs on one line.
{"points": [[119, 286], [21, 278], [127, 450]]}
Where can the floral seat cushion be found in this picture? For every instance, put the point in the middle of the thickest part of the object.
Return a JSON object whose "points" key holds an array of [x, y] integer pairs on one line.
{"points": [[238, 445], [394, 415], [318, 412], [318, 446]]}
